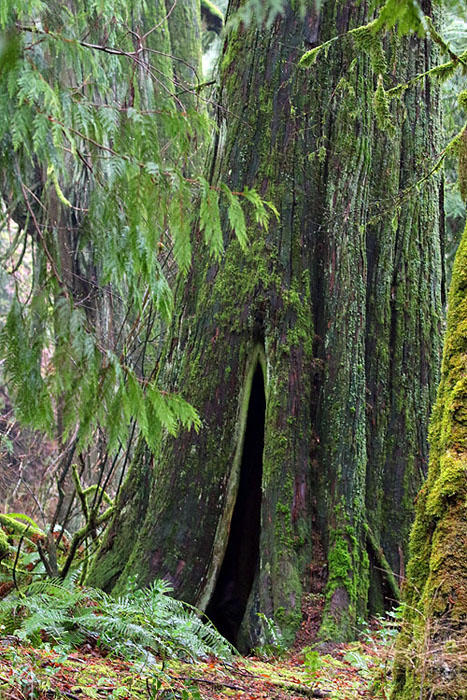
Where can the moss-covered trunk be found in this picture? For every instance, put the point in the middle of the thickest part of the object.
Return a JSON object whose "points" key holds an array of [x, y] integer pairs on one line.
{"points": [[339, 302], [432, 653]]}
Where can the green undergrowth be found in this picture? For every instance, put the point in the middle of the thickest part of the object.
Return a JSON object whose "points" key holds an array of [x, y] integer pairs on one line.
{"points": [[61, 615], [27, 672], [96, 670], [61, 639]]}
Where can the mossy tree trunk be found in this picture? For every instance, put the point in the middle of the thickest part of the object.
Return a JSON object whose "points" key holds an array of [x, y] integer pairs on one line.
{"points": [[431, 661], [338, 303]]}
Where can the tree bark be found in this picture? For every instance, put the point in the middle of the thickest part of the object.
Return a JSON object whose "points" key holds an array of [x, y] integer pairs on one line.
{"points": [[432, 647], [339, 303]]}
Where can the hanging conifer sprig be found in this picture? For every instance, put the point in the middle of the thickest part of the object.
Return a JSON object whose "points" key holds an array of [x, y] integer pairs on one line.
{"points": [[99, 182]]}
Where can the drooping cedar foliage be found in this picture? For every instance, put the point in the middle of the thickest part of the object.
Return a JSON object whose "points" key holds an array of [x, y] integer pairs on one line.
{"points": [[102, 133]]}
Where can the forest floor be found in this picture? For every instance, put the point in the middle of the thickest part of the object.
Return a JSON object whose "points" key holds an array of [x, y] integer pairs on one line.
{"points": [[347, 671], [351, 671]]}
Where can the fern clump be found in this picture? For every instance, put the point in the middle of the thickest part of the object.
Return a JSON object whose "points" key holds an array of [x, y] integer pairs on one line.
{"points": [[141, 625]]}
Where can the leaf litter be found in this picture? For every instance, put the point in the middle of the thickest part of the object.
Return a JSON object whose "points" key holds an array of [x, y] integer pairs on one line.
{"points": [[347, 673]]}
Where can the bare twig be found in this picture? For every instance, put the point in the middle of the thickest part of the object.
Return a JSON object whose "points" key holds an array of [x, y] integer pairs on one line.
{"points": [[45, 561], [17, 556]]}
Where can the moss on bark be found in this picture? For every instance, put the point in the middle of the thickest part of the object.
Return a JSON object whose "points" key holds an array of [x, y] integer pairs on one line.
{"points": [[212, 16], [432, 645], [343, 294]]}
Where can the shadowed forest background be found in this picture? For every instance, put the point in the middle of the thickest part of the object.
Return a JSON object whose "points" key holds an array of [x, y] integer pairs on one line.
{"points": [[232, 255]]}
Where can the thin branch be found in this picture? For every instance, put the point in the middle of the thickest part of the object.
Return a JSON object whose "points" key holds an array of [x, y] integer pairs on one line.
{"points": [[85, 44], [81, 535], [45, 561], [44, 244], [17, 556]]}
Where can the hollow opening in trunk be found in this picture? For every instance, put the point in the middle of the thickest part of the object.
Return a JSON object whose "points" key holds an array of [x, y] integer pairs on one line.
{"points": [[234, 583]]}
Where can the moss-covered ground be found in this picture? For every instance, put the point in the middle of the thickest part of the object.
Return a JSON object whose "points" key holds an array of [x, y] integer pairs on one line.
{"points": [[350, 671]]}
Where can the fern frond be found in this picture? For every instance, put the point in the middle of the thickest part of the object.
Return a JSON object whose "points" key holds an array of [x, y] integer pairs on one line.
{"points": [[144, 620]]}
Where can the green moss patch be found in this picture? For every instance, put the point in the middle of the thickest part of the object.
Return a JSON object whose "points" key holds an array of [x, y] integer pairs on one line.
{"points": [[345, 675]]}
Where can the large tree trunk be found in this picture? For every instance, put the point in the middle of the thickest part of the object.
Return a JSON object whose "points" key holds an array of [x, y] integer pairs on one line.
{"points": [[431, 661], [312, 358]]}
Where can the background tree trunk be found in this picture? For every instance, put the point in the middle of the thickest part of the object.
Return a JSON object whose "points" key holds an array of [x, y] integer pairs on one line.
{"points": [[334, 313]]}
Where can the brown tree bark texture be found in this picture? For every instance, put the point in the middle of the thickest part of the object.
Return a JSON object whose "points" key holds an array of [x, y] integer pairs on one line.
{"points": [[340, 301]]}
